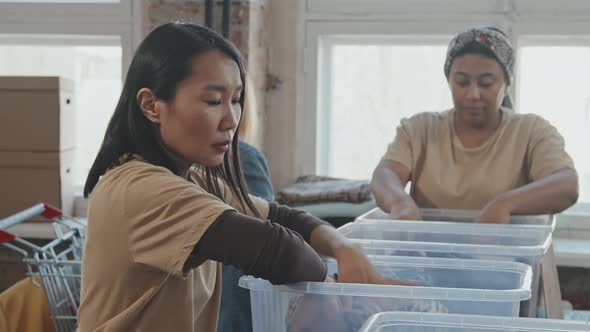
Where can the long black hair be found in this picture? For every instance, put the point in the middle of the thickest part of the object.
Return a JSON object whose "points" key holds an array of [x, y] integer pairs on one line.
{"points": [[164, 59]]}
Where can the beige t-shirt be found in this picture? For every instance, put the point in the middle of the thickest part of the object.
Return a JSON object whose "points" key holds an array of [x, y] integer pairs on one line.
{"points": [[445, 174], [143, 222]]}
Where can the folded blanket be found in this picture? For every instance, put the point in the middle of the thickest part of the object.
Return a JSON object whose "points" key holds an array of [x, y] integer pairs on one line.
{"points": [[313, 189]]}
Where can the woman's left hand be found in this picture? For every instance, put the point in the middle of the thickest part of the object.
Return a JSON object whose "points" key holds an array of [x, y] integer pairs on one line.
{"points": [[496, 212]]}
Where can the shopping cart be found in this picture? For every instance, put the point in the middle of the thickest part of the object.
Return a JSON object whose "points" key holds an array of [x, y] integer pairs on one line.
{"points": [[57, 264]]}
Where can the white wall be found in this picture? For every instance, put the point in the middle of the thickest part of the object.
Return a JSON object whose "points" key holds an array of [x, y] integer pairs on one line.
{"points": [[285, 25]]}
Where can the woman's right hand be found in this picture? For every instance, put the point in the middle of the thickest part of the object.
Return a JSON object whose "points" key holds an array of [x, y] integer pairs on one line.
{"points": [[405, 209], [355, 267], [326, 312]]}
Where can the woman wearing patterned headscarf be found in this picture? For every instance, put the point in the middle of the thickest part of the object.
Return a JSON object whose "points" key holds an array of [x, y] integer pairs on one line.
{"points": [[480, 154]]}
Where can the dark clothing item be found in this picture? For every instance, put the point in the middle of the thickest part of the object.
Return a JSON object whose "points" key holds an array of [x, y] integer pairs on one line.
{"points": [[256, 174], [262, 249], [299, 221]]}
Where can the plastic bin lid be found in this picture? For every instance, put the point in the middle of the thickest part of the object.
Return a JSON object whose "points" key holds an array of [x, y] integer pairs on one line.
{"points": [[412, 292], [405, 320], [541, 236], [464, 216]]}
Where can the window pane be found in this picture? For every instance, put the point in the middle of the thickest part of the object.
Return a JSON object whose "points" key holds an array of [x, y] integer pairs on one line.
{"points": [[372, 88], [96, 72], [560, 92]]}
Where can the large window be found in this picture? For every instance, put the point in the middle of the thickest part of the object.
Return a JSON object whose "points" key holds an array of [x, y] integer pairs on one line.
{"points": [[367, 67], [370, 88], [554, 81]]}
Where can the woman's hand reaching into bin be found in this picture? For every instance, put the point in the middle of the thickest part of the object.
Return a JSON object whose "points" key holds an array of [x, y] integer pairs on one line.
{"points": [[405, 209], [329, 313], [496, 212], [355, 267]]}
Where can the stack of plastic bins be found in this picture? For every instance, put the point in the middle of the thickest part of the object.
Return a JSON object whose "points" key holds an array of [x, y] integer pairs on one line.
{"points": [[463, 216], [520, 243], [442, 285], [427, 322]]}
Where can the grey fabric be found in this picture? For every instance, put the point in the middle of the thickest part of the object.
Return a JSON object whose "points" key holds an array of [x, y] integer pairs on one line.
{"points": [[313, 189]]}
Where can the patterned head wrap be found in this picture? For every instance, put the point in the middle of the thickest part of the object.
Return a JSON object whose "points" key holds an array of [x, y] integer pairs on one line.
{"points": [[491, 38]]}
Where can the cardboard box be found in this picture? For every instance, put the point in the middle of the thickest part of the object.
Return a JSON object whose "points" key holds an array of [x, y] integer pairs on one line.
{"points": [[28, 178], [37, 114]]}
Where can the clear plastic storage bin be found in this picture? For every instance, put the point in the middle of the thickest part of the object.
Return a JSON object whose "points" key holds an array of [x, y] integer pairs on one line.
{"points": [[442, 285], [524, 244], [462, 216], [427, 322]]}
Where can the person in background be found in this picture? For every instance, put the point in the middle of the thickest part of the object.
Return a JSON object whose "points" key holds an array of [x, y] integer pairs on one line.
{"points": [[235, 312], [254, 163], [480, 154], [168, 204]]}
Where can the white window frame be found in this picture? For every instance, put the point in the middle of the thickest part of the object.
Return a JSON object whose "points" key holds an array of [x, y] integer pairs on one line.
{"points": [[100, 20], [72, 11]]}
